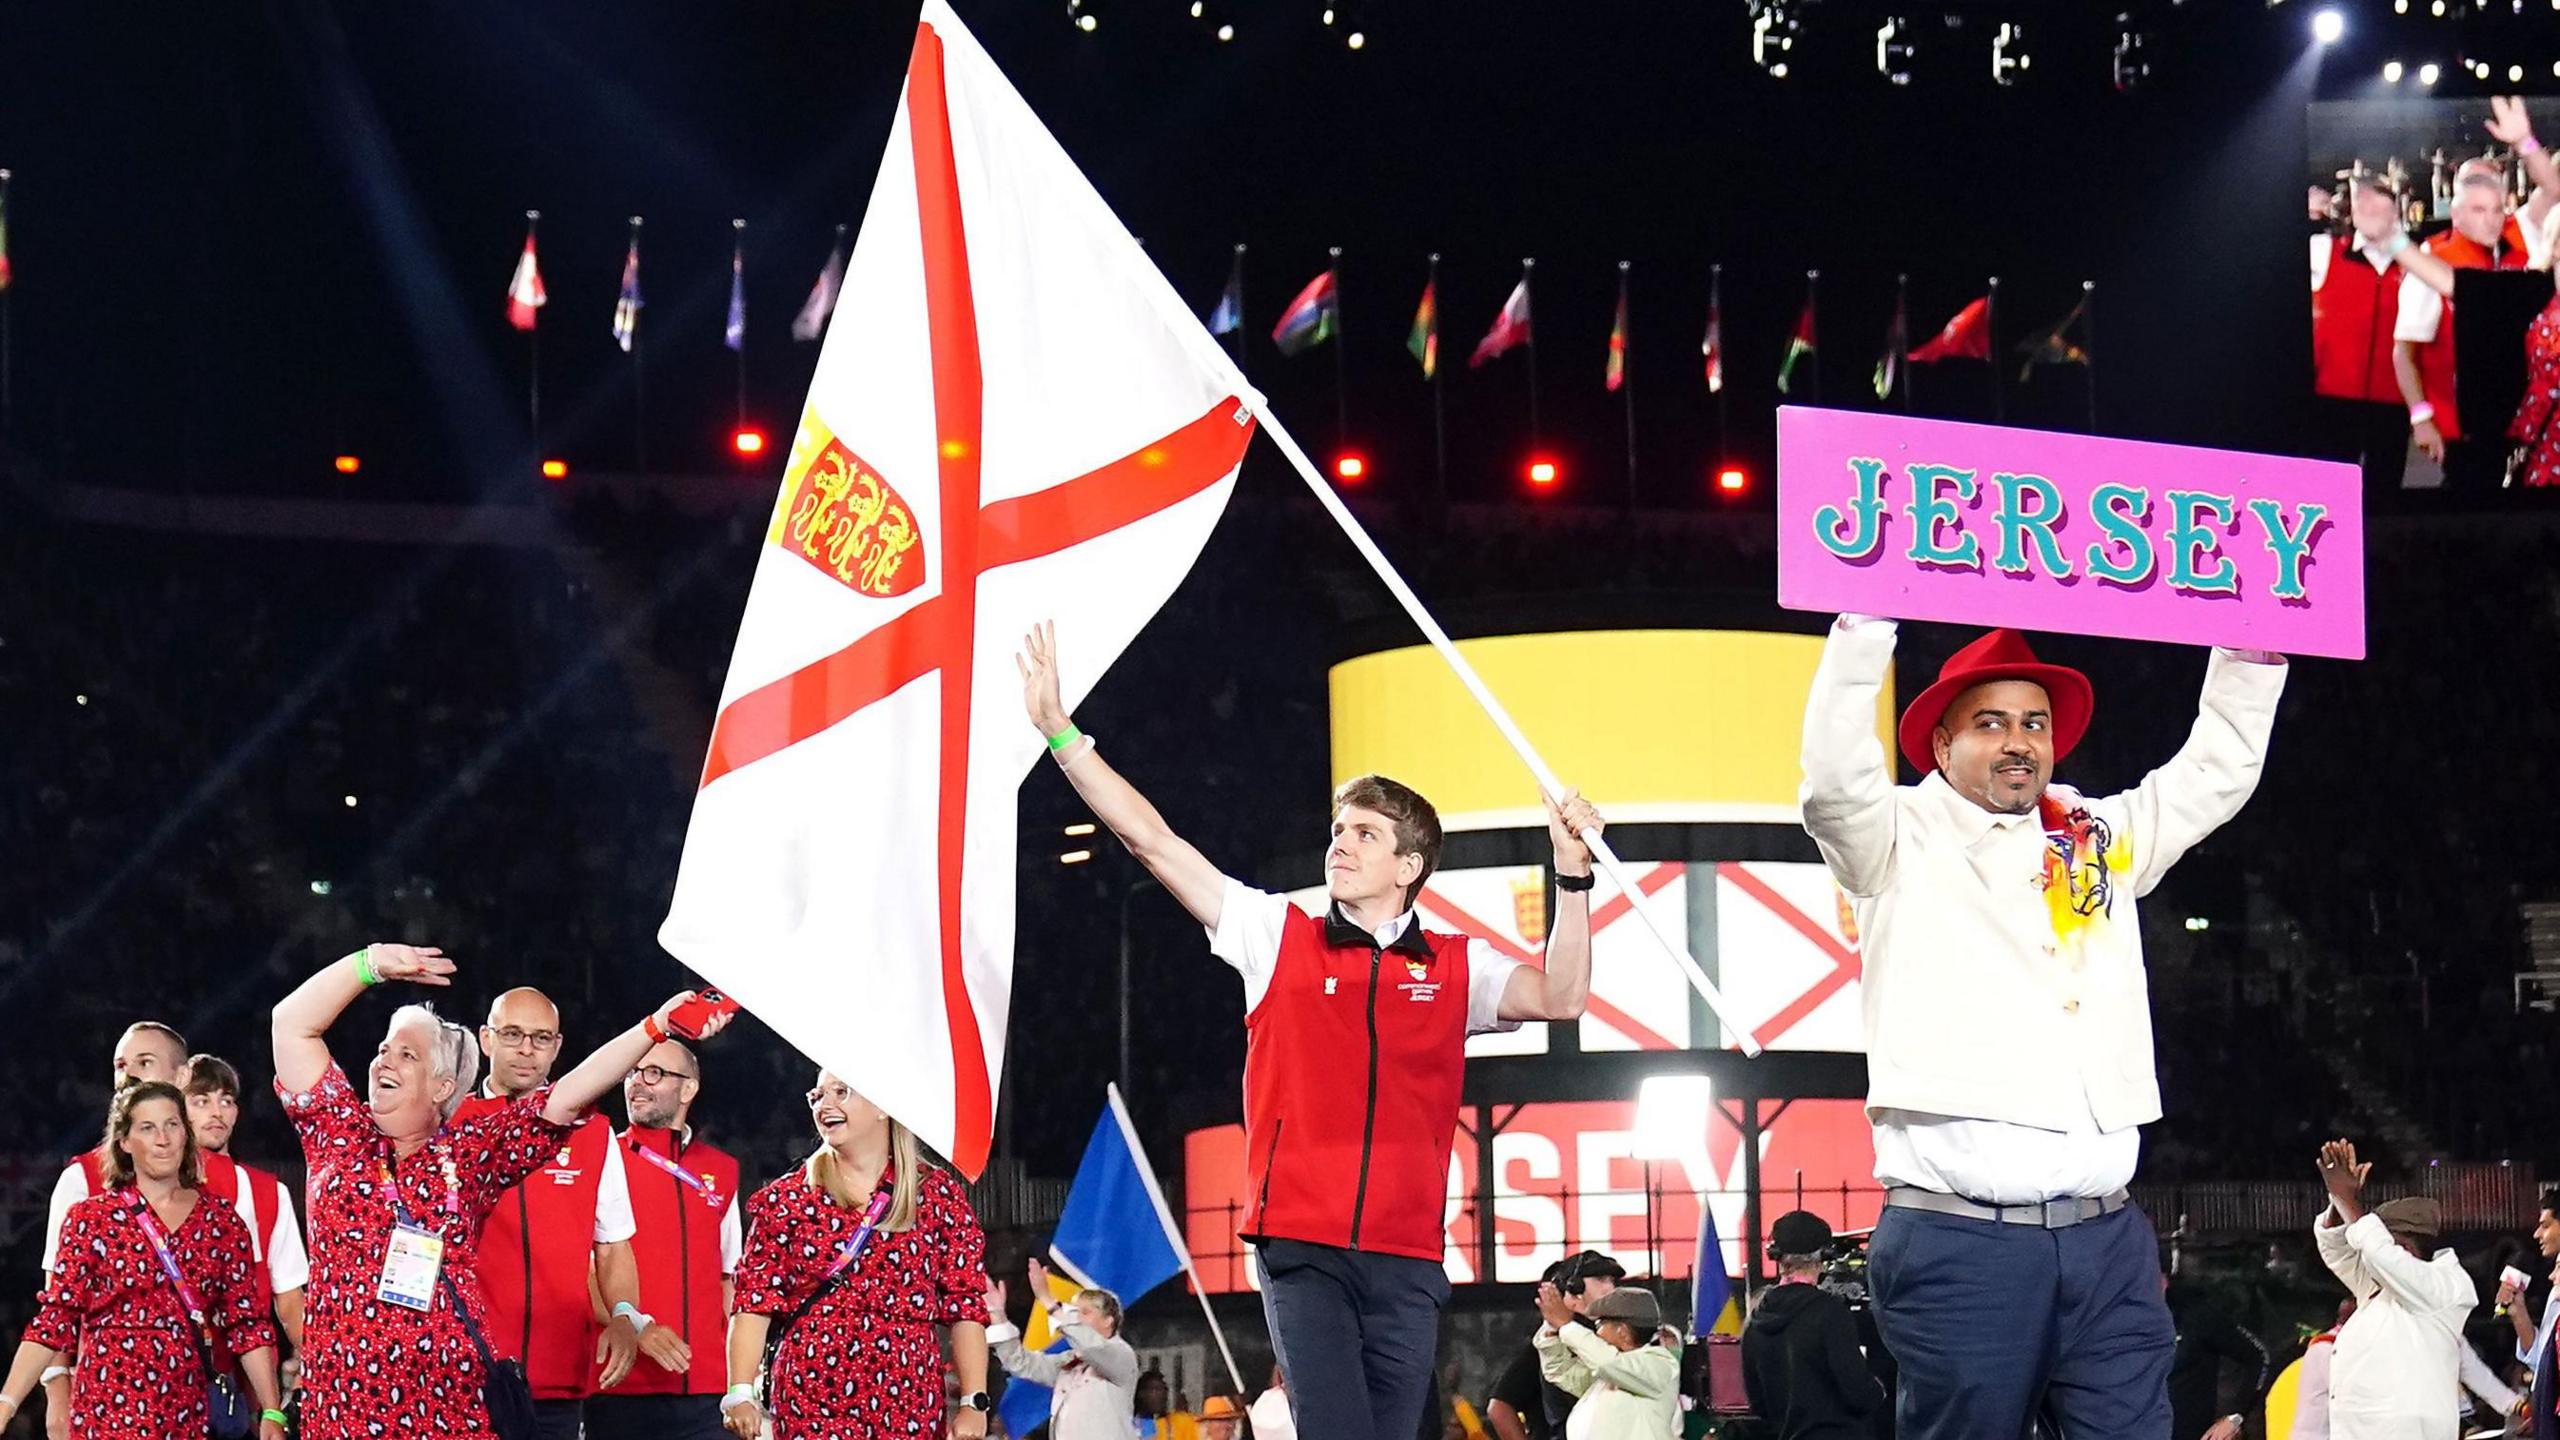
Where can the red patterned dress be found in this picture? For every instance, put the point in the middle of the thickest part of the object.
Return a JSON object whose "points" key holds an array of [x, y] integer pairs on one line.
{"points": [[2537, 424], [139, 1372], [864, 1363], [371, 1367]]}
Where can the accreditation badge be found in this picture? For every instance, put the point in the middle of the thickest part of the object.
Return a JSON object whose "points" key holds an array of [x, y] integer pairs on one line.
{"points": [[410, 1266]]}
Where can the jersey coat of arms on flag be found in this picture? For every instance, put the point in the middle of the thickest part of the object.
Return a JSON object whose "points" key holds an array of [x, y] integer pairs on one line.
{"points": [[1019, 420]]}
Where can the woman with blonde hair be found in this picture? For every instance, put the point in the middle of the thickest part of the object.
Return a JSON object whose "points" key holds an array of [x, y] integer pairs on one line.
{"points": [[149, 1279], [851, 1261]]}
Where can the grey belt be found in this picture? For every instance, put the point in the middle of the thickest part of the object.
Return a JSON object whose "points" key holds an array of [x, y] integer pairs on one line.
{"points": [[2050, 1215]]}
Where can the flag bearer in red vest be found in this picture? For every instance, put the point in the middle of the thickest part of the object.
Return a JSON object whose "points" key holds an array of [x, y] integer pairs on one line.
{"points": [[543, 1235], [684, 1196], [1356, 1027]]}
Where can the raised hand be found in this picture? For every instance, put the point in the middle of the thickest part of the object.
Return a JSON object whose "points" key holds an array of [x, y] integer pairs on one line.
{"points": [[1552, 1306], [2508, 123], [417, 964], [1566, 820], [1038, 664]]}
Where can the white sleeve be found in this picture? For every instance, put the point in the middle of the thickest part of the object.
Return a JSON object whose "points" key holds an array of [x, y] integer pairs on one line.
{"points": [[1488, 973], [2311, 1402], [733, 1237], [2319, 260], [69, 1189], [1248, 936], [2213, 774], [288, 1266], [2421, 312], [1847, 795], [613, 1200]]}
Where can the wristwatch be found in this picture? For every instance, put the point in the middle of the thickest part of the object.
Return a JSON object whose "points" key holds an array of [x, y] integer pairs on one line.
{"points": [[977, 1400]]}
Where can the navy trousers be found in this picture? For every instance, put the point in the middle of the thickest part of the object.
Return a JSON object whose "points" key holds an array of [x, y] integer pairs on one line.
{"points": [[1355, 1333], [1993, 1324]]}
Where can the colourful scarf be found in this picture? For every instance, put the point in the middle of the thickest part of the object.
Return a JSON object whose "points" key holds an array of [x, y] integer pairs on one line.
{"points": [[2082, 857]]}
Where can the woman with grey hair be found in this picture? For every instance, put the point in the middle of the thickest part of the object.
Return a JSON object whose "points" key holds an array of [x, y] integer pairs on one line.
{"points": [[399, 1189]]}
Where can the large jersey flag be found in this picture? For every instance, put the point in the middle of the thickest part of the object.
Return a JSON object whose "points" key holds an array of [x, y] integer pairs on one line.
{"points": [[1024, 423]]}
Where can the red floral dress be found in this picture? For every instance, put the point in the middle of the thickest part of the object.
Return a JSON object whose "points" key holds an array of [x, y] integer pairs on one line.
{"points": [[864, 1363], [140, 1375], [2537, 424], [371, 1367]]}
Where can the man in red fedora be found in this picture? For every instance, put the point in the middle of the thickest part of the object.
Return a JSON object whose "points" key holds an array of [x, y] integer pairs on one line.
{"points": [[2008, 1030]]}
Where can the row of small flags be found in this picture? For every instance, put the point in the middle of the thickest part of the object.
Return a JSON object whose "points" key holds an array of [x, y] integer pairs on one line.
{"points": [[1315, 317], [526, 295]]}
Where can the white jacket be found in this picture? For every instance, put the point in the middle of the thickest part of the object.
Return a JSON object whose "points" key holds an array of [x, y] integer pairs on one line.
{"points": [[1973, 1010], [1623, 1394], [1093, 1387], [2394, 1376]]}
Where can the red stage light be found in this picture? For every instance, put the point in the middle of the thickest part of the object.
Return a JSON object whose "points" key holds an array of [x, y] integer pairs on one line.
{"points": [[349, 464], [1351, 467], [1732, 481], [1543, 472], [748, 442], [555, 469]]}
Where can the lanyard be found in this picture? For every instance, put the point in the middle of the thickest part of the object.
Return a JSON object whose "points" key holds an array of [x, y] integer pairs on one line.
{"points": [[700, 1186], [452, 1183], [852, 1249], [159, 1239]]}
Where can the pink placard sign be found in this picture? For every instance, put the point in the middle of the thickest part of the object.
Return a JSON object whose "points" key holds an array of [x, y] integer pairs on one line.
{"points": [[1986, 525]]}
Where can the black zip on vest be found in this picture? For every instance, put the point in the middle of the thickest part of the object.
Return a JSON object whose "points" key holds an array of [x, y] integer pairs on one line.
{"points": [[1340, 933], [524, 1233]]}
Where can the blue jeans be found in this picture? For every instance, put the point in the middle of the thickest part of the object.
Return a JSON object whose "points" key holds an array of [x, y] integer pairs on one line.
{"points": [[1355, 1334], [1992, 1324]]}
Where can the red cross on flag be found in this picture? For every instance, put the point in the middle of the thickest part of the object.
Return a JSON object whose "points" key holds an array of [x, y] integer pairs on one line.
{"points": [[1019, 420]]}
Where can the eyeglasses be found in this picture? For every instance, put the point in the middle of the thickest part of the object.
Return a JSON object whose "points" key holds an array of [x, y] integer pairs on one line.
{"points": [[656, 1074], [516, 1037], [839, 1093]]}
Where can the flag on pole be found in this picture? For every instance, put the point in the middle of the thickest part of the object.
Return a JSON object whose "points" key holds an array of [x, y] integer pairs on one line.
{"points": [[2055, 346], [1510, 328], [811, 322], [1712, 1310], [1965, 336], [1713, 346], [1029, 424], [1116, 1233], [1423, 341], [1228, 318], [1897, 339], [1617, 374], [525, 294], [1310, 319], [626, 310], [734, 334], [1799, 345]]}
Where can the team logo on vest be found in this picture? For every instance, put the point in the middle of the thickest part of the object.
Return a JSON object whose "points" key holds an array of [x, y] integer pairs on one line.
{"points": [[844, 519], [1420, 989]]}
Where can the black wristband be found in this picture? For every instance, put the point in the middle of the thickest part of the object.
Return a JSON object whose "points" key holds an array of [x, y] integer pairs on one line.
{"points": [[1575, 883]]}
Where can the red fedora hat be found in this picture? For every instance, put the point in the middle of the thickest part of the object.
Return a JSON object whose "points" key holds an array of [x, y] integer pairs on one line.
{"points": [[2000, 655]]}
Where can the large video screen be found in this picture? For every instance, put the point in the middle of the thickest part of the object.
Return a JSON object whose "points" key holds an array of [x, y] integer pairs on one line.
{"points": [[2418, 210]]}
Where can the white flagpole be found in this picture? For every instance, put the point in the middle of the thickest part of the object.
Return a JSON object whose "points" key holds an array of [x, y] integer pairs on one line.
{"points": [[1608, 860], [1172, 1232]]}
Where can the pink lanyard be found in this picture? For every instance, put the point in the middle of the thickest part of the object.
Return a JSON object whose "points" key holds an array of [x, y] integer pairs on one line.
{"points": [[452, 1184], [852, 1249], [159, 1238], [700, 1185]]}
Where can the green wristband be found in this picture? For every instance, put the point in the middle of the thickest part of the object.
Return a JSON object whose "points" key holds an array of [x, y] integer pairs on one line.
{"points": [[1065, 738], [277, 1416], [364, 966]]}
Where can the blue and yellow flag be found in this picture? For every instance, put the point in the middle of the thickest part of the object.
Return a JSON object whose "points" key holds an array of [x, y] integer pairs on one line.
{"points": [[1115, 1234]]}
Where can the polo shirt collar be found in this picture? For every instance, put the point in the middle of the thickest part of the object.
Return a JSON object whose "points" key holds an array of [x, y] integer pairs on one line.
{"points": [[1400, 934]]}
